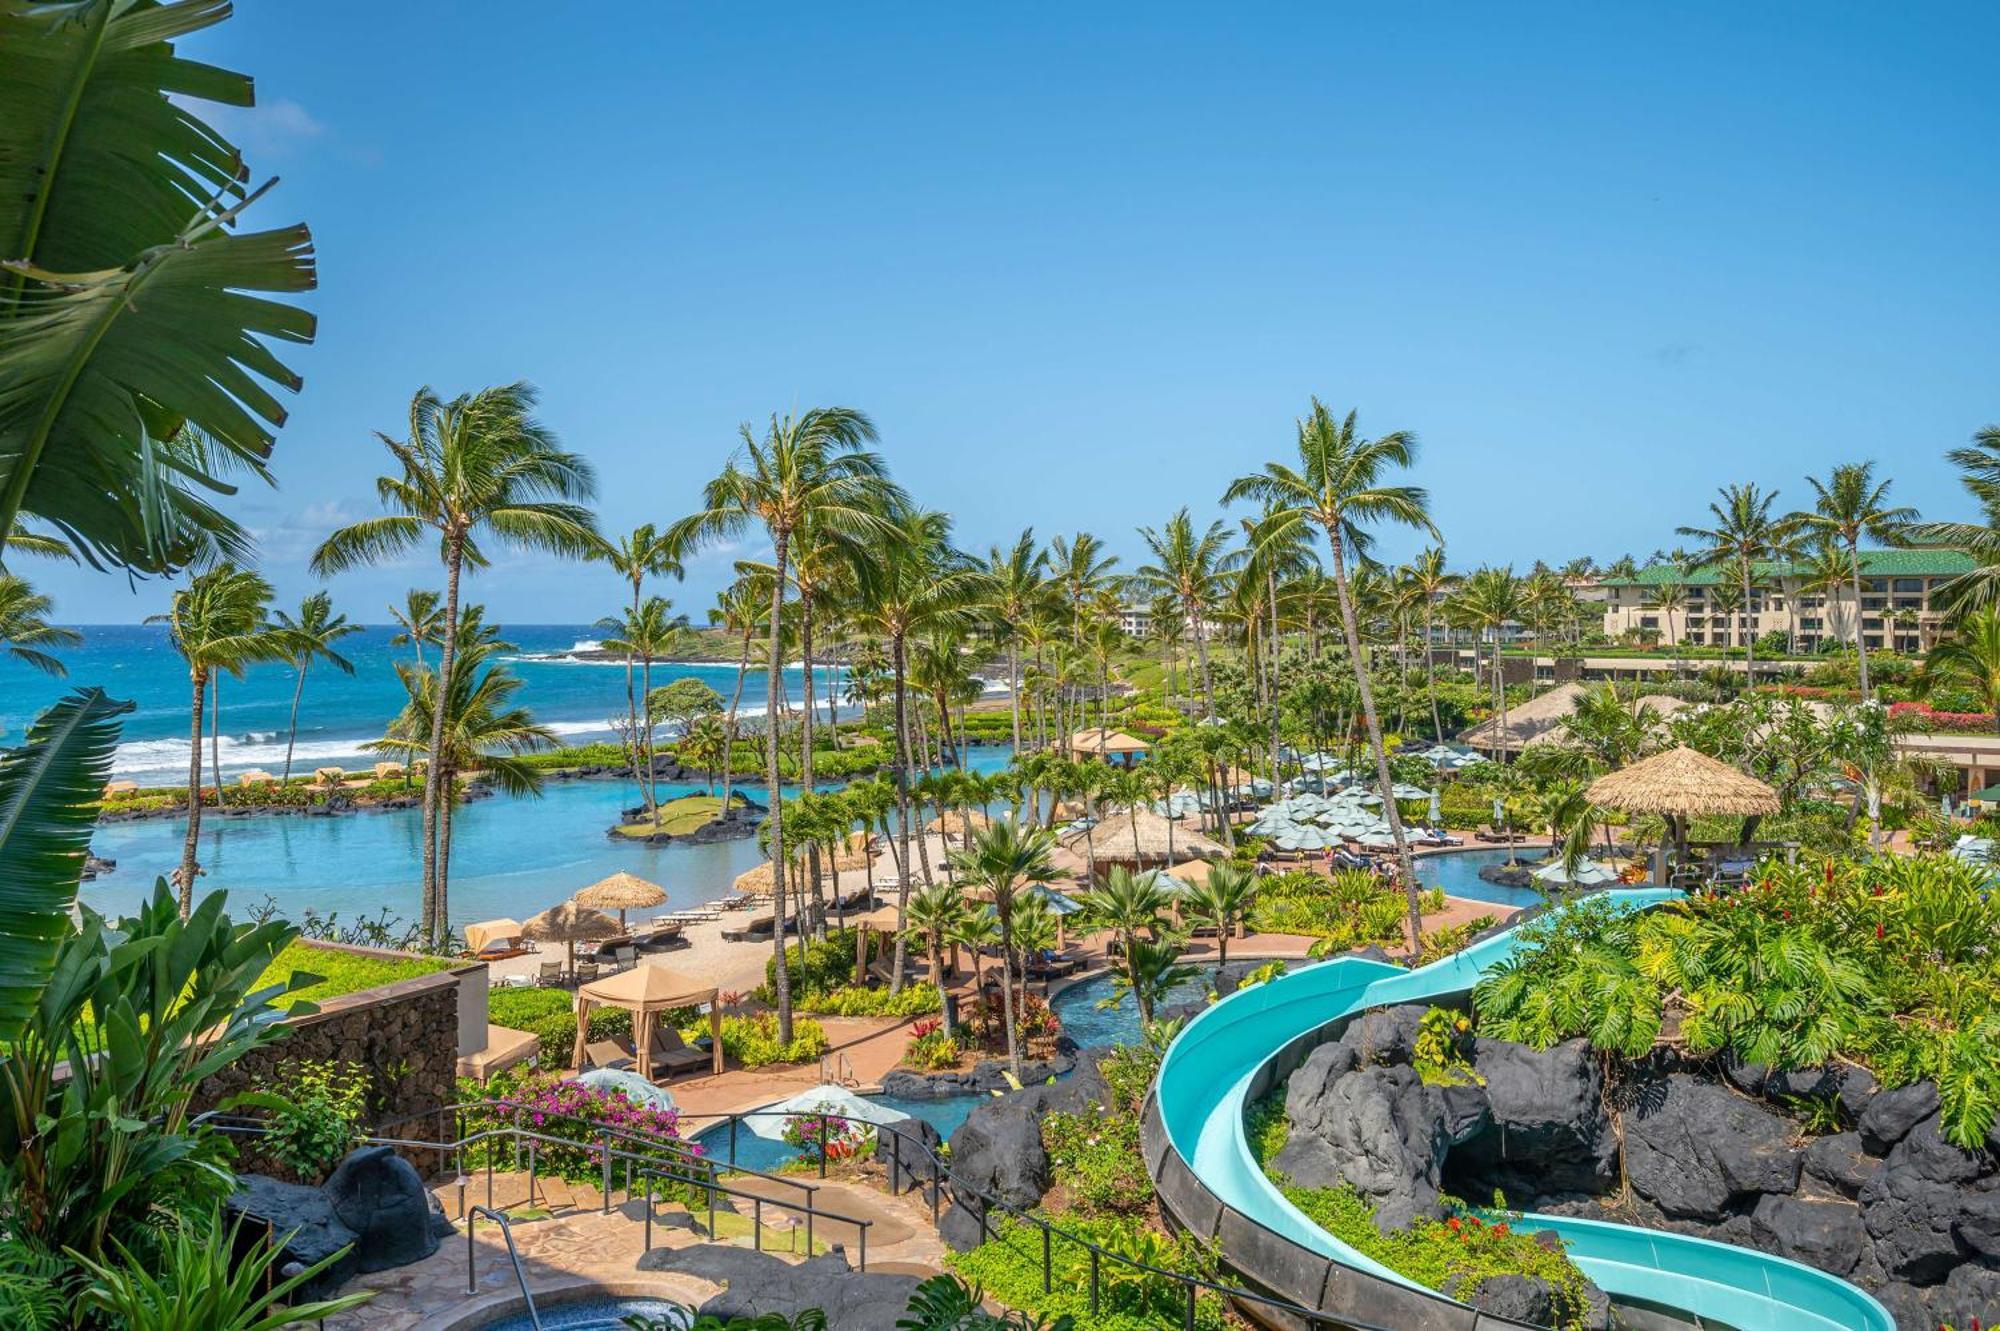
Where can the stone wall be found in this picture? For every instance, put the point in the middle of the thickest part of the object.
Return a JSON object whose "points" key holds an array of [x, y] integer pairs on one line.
{"points": [[405, 1034]]}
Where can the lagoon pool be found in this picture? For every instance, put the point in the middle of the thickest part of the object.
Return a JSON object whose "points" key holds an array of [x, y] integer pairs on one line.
{"points": [[766, 1156], [1458, 874], [595, 1314], [1093, 1027]]}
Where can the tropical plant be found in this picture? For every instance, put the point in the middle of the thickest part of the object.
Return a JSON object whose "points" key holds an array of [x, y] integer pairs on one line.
{"points": [[946, 1303], [315, 1114], [476, 467], [809, 468], [1970, 655], [419, 619], [208, 1277], [49, 789], [1848, 506], [135, 346], [647, 633], [216, 623], [1187, 566], [1338, 487], [303, 640], [1151, 969], [1002, 858], [25, 633], [1744, 532], [1013, 591], [1222, 900]]}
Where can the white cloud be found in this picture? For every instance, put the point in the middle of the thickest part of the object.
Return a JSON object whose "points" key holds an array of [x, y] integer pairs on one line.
{"points": [[280, 127]]}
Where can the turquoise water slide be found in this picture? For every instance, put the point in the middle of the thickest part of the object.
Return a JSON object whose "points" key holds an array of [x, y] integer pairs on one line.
{"points": [[1207, 1076]]}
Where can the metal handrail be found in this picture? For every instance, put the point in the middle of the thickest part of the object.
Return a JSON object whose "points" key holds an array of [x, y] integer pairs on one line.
{"points": [[513, 1255], [711, 1187]]}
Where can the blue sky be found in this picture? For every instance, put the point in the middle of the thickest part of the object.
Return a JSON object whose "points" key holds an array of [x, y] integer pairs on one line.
{"points": [[1084, 264]]}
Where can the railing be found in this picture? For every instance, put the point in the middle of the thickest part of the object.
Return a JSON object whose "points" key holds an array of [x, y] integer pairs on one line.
{"points": [[513, 1255]]}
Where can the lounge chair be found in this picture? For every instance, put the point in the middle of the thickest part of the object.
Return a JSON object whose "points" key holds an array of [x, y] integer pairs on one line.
{"points": [[1049, 966], [660, 935], [607, 1054], [625, 958], [549, 972], [672, 1055], [586, 971]]}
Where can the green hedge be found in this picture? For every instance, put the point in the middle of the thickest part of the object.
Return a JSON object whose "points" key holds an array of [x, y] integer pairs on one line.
{"points": [[550, 1015]]}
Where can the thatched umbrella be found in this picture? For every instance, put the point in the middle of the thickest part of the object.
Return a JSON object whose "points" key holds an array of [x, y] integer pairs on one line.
{"points": [[1680, 784], [622, 892], [961, 823], [1157, 839], [571, 924]]}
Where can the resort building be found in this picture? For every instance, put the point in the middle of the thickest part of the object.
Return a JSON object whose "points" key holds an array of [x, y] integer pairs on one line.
{"points": [[1898, 609]]}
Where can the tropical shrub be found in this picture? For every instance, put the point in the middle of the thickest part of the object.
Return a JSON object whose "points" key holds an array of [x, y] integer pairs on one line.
{"points": [[201, 1275], [1009, 1267], [842, 1138], [753, 1040], [550, 1104], [931, 1048], [816, 965], [315, 1115], [849, 1001], [1095, 1155], [550, 1015]]}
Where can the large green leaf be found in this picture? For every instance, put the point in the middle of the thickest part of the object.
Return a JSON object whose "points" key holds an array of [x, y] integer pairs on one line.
{"points": [[114, 197], [49, 789]]}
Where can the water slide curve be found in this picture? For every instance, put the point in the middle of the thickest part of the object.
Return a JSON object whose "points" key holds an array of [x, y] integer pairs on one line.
{"points": [[1249, 1042]]}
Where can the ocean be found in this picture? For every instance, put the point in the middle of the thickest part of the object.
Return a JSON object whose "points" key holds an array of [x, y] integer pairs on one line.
{"points": [[510, 856]]}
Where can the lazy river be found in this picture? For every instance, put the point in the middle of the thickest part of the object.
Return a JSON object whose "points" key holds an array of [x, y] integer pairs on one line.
{"points": [[1207, 1080]]}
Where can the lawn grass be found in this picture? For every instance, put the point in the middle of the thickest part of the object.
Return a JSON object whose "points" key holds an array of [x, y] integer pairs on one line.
{"points": [[677, 817], [342, 972]]}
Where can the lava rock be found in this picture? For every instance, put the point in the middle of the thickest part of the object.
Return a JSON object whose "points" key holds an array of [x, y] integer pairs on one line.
{"points": [[1549, 1132], [1694, 1147], [1910, 1306], [1858, 1089], [1378, 1130], [395, 1219], [913, 1153], [303, 1216], [1891, 1114], [1749, 1078], [1524, 1299], [1840, 1162], [1919, 1206], [1466, 1113], [1386, 1035], [997, 1152], [1969, 1297], [1828, 1235]]}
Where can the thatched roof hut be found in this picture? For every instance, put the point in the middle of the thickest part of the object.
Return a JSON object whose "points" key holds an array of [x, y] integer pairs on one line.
{"points": [[1158, 840], [1544, 719], [1681, 784], [960, 823], [570, 924]]}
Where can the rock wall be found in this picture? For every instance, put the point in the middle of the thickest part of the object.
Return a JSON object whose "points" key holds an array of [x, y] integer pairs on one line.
{"points": [[1708, 1149], [405, 1034]]}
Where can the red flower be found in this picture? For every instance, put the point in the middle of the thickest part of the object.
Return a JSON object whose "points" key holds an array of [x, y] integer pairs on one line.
{"points": [[1880, 933]]}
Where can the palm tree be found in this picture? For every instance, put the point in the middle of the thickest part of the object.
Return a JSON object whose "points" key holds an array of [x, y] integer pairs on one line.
{"points": [[1487, 601], [648, 632], [1743, 533], [483, 729], [1849, 505], [216, 623], [641, 553], [1669, 596], [1151, 969], [22, 540], [1338, 487], [1013, 592], [1223, 900], [807, 469], [1080, 568], [740, 609], [936, 913], [420, 619], [1002, 859], [1972, 653], [1188, 568], [1979, 468], [1433, 582], [1130, 904], [479, 465], [303, 640], [25, 632]]}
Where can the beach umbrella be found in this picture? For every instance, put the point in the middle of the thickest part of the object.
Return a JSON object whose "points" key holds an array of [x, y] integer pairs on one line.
{"points": [[1588, 873], [1177, 805], [570, 924], [1057, 902], [1437, 808], [627, 1083], [834, 1101], [622, 892]]}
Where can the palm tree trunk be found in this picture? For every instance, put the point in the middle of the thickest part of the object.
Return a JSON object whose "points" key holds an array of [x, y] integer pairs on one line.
{"points": [[1201, 650], [1271, 592], [806, 730], [1860, 647], [1014, 687], [729, 730], [1003, 903], [435, 778], [185, 875], [649, 784], [1749, 631], [632, 710], [1430, 672], [774, 688], [1387, 786], [898, 665], [292, 733]]}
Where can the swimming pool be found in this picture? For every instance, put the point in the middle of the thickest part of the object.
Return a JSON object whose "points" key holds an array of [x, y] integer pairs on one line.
{"points": [[1096, 1028], [594, 1314], [1458, 874], [765, 1155]]}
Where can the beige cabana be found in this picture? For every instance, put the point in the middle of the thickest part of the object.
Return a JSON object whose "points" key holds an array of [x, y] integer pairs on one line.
{"points": [[571, 924], [256, 776], [1192, 872], [622, 892], [386, 770], [1157, 840], [498, 933], [329, 776], [646, 992], [1681, 784], [885, 920]]}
